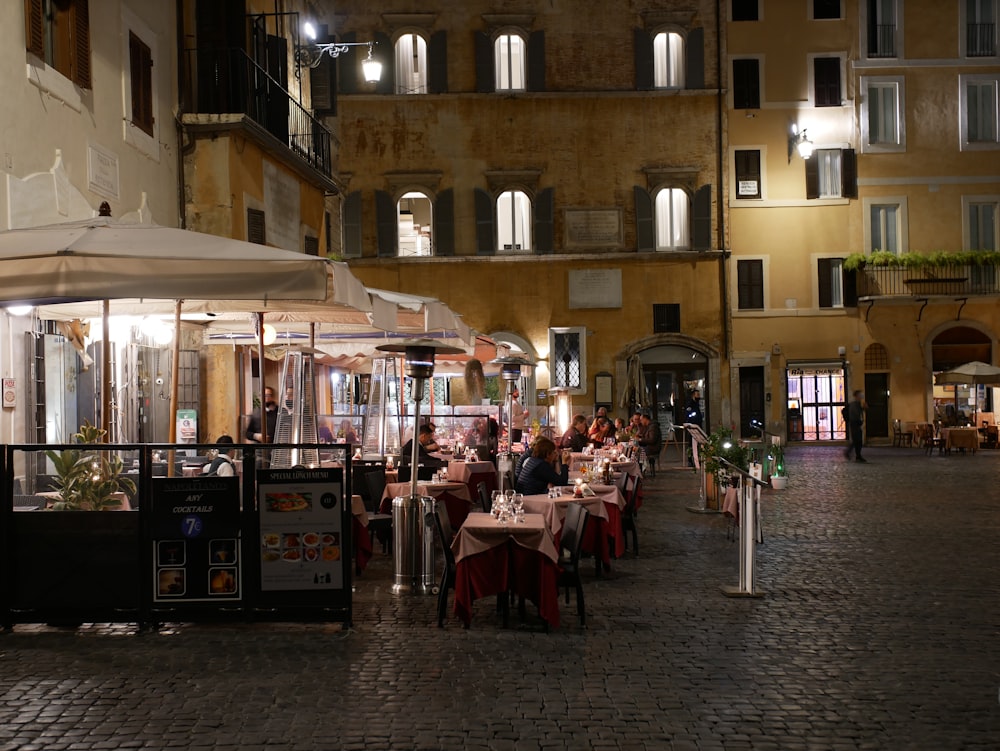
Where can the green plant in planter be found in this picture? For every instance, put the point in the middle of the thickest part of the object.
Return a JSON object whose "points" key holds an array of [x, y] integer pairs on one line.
{"points": [[776, 452], [87, 479], [723, 444]]}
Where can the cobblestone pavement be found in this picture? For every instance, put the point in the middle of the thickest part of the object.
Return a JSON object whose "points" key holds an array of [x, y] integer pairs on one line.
{"points": [[879, 628]]}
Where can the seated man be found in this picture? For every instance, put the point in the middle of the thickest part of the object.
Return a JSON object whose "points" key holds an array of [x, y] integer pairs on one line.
{"points": [[649, 436], [542, 469], [575, 438], [222, 465], [425, 437]]}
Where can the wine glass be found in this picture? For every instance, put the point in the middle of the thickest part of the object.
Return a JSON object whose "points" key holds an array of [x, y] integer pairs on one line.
{"points": [[495, 497], [519, 507]]}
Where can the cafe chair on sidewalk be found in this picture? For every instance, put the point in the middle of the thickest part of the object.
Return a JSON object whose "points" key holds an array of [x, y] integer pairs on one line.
{"points": [[570, 543], [899, 437], [444, 533], [379, 524], [629, 515], [484, 497]]}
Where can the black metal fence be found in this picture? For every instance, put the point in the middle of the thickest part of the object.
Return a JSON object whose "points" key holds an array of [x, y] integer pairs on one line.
{"points": [[901, 281]]}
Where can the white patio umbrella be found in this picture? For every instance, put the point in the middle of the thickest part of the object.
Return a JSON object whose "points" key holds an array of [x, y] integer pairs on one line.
{"points": [[973, 373], [101, 259]]}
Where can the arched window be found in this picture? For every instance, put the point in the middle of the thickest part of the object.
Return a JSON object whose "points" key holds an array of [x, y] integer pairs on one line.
{"points": [[513, 222], [415, 221], [509, 59], [668, 60], [411, 64], [671, 214]]}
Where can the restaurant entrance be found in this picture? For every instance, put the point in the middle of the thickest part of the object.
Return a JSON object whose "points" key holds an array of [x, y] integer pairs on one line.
{"points": [[672, 374], [815, 397]]}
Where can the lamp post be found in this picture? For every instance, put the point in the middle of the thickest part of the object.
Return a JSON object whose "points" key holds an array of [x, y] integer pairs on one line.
{"points": [[411, 549], [510, 371], [311, 55]]}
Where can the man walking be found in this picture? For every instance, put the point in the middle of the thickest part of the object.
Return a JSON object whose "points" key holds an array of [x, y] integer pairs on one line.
{"points": [[855, 410]]}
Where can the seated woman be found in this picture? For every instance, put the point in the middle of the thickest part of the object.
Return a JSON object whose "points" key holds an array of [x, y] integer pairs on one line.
{"points": [[542, 469], [600, 429]]}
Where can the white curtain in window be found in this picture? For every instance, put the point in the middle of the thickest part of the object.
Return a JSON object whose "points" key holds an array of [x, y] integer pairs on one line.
{"points": [[883, 124], [981, 107], [411, 64], [513, 222], [510, 58], [668, 61], [983, 226], [837, 282], [884, 232], [671, 214], [829, 172]]}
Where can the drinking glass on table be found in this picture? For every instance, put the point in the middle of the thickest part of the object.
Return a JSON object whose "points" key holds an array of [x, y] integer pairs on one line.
{"points": [[519, 507]]}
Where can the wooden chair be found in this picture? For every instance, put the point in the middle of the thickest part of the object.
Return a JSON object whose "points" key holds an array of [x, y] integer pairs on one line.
{"points": [[444, 533], [571, 540], [629, 516], [900, 437], [484, 497]]}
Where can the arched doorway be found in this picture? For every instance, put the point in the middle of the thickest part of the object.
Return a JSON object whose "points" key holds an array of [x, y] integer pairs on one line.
{"points": [[957, 345], [673, 373]]}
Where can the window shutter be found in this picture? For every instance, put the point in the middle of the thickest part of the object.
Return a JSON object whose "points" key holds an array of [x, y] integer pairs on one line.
{"points": [[437, 63], [701, 226], [826, 81], [322, 87], [347, 77], [694, 51], [387, 224], [351, 219], [849, 173], [444, 223], [310, 245], [485, 72], [666, 318], [141, 75], [643, 61], [484, 223], [812, 177], [747, 171], [536, 61], [386, 84], [746, 84], [850, 288], [81, 44], [824, 277], [34, 29], [644, 230], [256, 230], [544, 236]]}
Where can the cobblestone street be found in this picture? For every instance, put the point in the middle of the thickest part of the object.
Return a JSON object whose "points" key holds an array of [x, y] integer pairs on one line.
{"points": [[879, 628]]}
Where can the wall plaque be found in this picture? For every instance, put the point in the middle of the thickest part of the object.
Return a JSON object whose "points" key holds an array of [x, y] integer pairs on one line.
{"points": [[595, 288], [594, 228]]}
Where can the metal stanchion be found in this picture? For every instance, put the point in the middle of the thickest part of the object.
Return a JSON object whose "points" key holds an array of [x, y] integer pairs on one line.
{"points": [[699, 439], [749, 499]]}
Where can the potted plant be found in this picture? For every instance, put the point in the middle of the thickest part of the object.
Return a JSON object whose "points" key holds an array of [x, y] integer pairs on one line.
{"points": [[722, 444], [779, 477], [89, 479]]}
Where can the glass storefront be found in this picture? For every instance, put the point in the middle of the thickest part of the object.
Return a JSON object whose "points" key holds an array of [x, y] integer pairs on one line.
{"points": [[816, 395]]}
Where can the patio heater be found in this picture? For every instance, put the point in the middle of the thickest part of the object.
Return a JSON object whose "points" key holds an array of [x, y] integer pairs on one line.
{"points": [[510, 371], [413, 541]]}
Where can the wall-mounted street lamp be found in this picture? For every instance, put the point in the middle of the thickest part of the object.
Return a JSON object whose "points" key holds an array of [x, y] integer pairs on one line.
{"points": [[799, 144], [414, 573], [311, 54]]}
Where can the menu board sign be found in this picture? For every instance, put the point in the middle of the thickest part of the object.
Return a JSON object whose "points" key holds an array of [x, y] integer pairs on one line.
{"points": [[195, 525], [301, 529]]}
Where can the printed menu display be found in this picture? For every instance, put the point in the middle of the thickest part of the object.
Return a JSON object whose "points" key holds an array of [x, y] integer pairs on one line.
{"points": [[196, 533], [301, 533]]}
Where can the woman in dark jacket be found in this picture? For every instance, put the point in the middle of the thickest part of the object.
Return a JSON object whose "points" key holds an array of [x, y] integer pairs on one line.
{"points": [[542, 469]]}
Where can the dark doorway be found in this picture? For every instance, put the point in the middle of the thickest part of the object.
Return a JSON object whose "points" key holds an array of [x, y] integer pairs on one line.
{"points": [[751, 400], [877, 398]]}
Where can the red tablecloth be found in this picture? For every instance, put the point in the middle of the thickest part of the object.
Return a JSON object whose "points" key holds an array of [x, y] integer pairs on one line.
{"points": [[492, 559]]}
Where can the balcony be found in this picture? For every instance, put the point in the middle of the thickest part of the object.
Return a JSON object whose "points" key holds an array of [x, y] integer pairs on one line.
{"points": [[227, 81], [917, 282], [980, 40]]}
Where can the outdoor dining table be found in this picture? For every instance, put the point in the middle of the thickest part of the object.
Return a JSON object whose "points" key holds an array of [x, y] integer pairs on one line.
{"points": [[960, 438], [473, 473], [493, 557], [604, 536], [455, 495]]}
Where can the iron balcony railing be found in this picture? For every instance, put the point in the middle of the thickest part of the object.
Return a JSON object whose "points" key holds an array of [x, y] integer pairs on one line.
{"points": [[900, 281], [981, 40], [229, 81]]}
